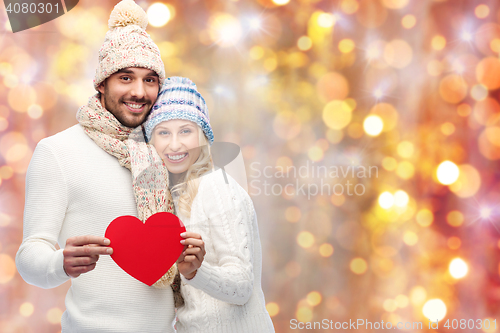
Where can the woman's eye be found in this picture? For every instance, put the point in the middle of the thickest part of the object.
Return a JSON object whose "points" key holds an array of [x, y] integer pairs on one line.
{"points": [[186, 131], [163, 132]]}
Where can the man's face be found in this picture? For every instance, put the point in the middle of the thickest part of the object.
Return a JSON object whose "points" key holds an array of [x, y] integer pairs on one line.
{"points": [[129, 94]]}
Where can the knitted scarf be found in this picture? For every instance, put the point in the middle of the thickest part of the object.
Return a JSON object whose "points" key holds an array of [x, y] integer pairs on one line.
{"points": [[149, 174]]}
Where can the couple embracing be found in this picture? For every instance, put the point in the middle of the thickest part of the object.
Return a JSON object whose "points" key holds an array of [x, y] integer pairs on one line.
{"points": [[81, 179]]}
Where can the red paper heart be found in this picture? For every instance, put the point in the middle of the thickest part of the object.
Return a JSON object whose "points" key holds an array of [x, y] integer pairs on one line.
{"points": [[147, 250]]}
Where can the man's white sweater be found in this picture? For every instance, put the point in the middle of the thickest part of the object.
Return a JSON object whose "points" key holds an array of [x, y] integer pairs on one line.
{"points": [[225, 295], [74, 188]]}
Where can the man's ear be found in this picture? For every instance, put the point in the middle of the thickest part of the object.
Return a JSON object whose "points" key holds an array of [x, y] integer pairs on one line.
{"points": [[100, 87]]}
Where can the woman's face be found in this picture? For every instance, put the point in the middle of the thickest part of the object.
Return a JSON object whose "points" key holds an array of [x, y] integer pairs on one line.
{"points": [[177, 142]]}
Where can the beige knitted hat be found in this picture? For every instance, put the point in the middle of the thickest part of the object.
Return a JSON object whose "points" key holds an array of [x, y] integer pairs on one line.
{"points": [[127, 44]]}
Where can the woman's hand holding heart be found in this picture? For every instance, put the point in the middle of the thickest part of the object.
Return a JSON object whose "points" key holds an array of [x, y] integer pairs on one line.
{"points": [[192, 255]]}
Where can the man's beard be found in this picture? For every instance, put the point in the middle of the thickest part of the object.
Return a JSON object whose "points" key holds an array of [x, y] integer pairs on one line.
{"points": [[131, 121]]}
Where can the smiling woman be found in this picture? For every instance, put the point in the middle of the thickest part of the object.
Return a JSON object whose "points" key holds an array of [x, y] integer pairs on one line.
{"points": [[220, 211]]}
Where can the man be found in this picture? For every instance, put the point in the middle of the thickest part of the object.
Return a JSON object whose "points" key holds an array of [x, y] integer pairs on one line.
{"points": [[75, 188]]}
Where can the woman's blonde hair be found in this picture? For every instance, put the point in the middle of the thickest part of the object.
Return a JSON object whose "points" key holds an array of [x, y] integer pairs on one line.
{"points": [[187, 188]]}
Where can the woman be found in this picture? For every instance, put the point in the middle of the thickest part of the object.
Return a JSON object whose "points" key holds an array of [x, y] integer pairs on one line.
{"points": [[224, 294]]}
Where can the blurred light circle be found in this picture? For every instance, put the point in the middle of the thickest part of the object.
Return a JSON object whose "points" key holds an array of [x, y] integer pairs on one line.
{"points": [[389, 163], [225, 29], [46, 95], [326, 250], [358, 266], [386, 200], [454, 243], [487, 111], [405, 149], [326, 20], [371, 14], [408, 21], [448, 128], [7, 268], [54, 315], [337, 114], [304, 43], [373, 125], [434, 309], [489, 143], [405, 170], [390, 305], [458, 268], [158, 14], [305, 239], [418, 295], [401, 198], [387, 113], [479, 92], [272, 308], [455, 218], [346, 45], [314, 298], [315, 153], [402, 300], [495, 45], [21, 97], [332, 86], [35, 111], [293, 214], [410, 238], [395, 4], [11, 139], [398, 53], [453, 88], [438, 42], [304, 314], [434, 67], [485, 34], [447, 172], [349, 6], [287, 125], [468, 182], [26, 309], [424, 217], [482, 11], [281, 2], [488, 73], [464, 110]]}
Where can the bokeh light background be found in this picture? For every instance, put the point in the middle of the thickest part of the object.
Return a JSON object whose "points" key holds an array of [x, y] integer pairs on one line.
{"points": [[408, 87]]}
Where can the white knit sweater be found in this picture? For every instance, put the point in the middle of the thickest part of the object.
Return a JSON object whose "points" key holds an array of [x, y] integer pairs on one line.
{"points": [[75, 188], [225, 295]]}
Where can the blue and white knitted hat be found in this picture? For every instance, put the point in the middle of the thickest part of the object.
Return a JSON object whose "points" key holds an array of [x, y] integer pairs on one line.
{"points": [[179, 99]]}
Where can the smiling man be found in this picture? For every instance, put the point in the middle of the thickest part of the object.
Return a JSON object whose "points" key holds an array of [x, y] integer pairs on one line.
{"points": [[76, 184]]}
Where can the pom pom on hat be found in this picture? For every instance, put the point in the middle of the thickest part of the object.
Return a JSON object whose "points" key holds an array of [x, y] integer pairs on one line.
{"points": [[127, 12], [127, 44]]}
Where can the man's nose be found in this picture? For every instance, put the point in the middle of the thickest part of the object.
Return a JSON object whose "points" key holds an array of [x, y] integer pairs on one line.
{"points": [[138, 90]]}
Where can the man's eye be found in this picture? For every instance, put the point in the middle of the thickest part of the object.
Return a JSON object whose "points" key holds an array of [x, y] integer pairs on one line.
{"points": [[125, 78], [151, 80]]}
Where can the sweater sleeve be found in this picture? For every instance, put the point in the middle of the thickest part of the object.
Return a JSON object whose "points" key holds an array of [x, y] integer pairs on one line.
{"points": [[37, 260], [230, 230]]}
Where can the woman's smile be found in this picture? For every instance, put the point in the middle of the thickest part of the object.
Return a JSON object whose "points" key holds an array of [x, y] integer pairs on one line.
{"points": [[177, 158]]}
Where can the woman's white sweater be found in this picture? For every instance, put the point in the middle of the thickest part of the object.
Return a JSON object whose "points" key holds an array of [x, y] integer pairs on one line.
{"points": [[225, 295]]}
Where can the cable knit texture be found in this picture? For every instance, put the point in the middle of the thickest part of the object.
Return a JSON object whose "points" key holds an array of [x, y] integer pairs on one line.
{"points": [[75, 188], [225, 295]]}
